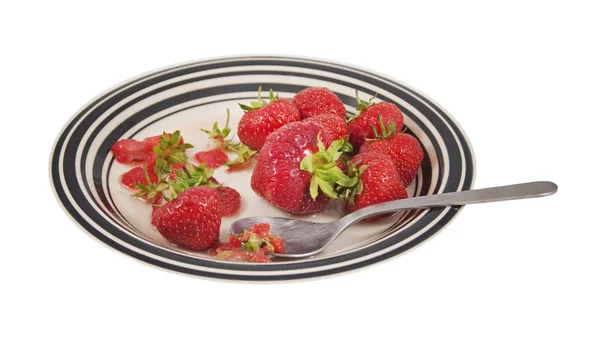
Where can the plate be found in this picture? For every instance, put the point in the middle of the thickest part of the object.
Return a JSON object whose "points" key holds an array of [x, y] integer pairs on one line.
{"points": [[193, 95]]}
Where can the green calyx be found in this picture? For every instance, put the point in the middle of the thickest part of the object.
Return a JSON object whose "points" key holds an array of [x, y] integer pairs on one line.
{"points": [[354, 172], [259, 103], [244, 153], [323, 165], [386, 131], [187, 177], [217, 133], [169, 152], [151, 190], [361, 105]]}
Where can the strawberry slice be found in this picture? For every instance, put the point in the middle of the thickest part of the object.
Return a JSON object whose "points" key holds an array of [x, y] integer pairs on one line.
{"points": [[213, 158], [128, 151], [136, 175]]}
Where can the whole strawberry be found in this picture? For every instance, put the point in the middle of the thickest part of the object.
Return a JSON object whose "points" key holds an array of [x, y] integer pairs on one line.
{"points": [[191, 220], [403, 149], [378, 181], [335, 125], [362, 126], [297, 168], [262, 118], [315, 101]]}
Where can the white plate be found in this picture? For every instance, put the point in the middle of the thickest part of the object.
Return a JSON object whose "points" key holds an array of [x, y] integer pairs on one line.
{"points": [[194, 95]]}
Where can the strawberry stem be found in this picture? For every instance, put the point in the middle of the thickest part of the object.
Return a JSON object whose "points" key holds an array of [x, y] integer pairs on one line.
{"points": [[259, 103]]}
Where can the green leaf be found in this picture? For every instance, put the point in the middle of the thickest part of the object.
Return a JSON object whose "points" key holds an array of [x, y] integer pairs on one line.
{"points": [[162, 143], [391, 128], [314, 187], [335, 149], [327, 188], [176, 137], [245, 108], [307, 163], [320, 142]]}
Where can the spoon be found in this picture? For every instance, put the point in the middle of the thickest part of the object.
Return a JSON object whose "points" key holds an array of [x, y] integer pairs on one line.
{"points": [[303, 239]]}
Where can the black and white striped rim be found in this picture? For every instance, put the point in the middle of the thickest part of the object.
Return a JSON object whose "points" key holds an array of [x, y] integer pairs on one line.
{"points": [[81, 162]]}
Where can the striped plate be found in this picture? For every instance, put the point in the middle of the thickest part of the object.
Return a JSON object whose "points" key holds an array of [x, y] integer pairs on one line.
{"points": [[193, 95]]}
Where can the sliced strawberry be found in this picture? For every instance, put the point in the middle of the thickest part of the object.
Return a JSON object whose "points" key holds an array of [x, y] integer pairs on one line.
{"points": [[235, 242], [261, 229], [136, 175], [229, 200], [129, 151], [277, 243], [213, 158]]}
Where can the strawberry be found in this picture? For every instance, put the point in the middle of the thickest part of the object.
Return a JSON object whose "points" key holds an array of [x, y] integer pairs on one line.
{"points": [[379, 181], [262, 118], [191, 220], [362, 126], [403, 149], [229, 201], [315, 101], [128, 151], [297, 168], [213, 158], [335, 125]]}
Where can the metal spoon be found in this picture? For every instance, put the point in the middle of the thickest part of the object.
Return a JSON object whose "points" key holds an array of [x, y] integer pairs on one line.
{"points": [[303, 239]]}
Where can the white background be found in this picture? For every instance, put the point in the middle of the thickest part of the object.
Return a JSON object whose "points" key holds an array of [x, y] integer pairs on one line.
{"points": [[512, 282]]}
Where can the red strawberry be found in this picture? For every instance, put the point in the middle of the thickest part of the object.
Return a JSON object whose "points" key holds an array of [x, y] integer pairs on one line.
{"points": [[192, 220], [261, 119], [296, 170], [334, 124], [363, 125], [213, 158], [318, 101], [229, 201], [379, 181], [402, 148]]}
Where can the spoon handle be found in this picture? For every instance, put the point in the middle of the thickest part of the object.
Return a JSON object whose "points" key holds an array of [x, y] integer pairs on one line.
{"points": [[496, 194]]}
